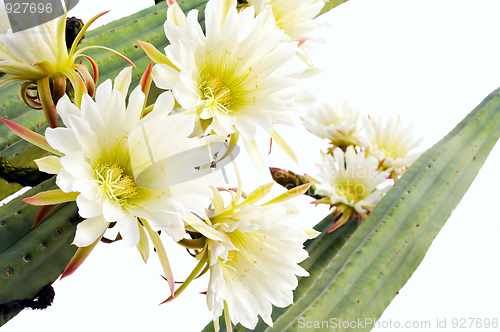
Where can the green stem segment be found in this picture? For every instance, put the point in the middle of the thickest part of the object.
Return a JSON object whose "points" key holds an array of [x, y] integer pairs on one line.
{"points": [[25, 176]]}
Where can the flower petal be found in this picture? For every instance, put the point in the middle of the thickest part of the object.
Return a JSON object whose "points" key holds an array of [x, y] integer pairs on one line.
{"points": [[49, 164], [63, 140], [165, 76], [129, 230], [122, 81], [111, 210], [89, 230], [88, 208]]}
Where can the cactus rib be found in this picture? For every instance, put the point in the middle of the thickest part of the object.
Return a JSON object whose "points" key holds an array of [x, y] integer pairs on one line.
{"points": [[37, 259]]}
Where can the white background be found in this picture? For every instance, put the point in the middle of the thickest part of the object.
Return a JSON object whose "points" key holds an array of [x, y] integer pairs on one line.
{"points": [[432, 61]]}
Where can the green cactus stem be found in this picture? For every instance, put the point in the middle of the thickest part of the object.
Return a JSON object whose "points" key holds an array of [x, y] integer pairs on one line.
{"points": [[25, 176], [32, 258]]}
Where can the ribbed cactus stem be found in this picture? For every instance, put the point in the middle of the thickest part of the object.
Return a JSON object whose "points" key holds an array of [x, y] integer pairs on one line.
{"points": [[25, 176]]}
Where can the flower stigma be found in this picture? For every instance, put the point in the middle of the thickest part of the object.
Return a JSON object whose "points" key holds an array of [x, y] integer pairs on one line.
{"points": [[114, 184], [217, 95]]}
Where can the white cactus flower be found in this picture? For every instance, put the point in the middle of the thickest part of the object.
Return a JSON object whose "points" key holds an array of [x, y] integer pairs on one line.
{"points": [[337, 122], [237, 76], [115, 163], [391, 143], [33, 53], [349, 182], [254, 257], [295, 17]]}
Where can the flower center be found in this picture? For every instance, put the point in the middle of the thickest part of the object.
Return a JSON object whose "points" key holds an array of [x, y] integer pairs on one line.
{"points": [[351, 191], [114, 184], [392, 151], [218, 96]]}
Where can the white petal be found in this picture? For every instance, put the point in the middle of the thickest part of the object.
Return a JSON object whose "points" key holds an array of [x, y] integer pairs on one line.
{"points": [[65, 107], [246, 128], [111, 210], [88, 208], [163, 106], [89, 230], [115, 124], [129, 230], [86, 187], [64, 181], [134, 108], [76, 164], [49, 164], [85, 135], [103, 97], [165, 76], [176, 229], [63, 140], [186, 97], [91, 114], [122, 81]]}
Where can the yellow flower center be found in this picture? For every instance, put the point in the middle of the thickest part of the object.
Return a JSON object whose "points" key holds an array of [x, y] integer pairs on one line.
{"points": [[351, 191], [217, 95], [116, 185], [392, 152]]}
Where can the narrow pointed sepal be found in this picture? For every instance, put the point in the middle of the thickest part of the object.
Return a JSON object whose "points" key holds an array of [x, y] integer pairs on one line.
{"points": [[30, 136], [193, 275], [297, 191], [146, 81], [156, 55], [51, 197], [162, 255], [284, 146], [143, 245], [42, 213], [78, 258]]}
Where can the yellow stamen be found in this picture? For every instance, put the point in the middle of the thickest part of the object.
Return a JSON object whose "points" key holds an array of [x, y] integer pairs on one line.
{"points": [[217, 95], [114, 184], [351, 191]]}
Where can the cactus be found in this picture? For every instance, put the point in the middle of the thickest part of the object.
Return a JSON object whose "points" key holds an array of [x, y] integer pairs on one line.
{"points": [[353, 274], [30, 258], [362, 278]]}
